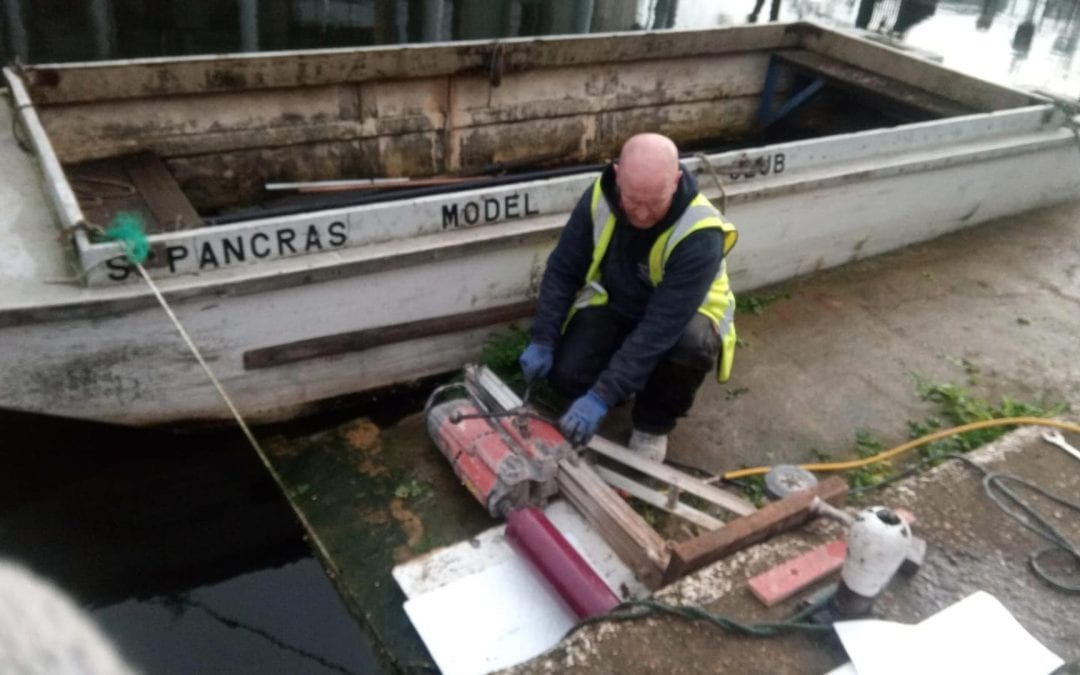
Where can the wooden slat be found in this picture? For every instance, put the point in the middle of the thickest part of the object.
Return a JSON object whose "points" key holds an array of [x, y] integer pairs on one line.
{"points": [[692, 555], [636, 544], [672, 476], [104, 189], [166, 201], [137, 183], [859, 79], [320, 347], [654, 498]]}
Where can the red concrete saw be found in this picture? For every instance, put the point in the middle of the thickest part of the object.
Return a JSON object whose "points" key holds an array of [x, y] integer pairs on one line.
{"points": [[508, 456]]}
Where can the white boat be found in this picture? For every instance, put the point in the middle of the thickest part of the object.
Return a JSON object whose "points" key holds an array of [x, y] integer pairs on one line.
{"points": [[823, 147]]}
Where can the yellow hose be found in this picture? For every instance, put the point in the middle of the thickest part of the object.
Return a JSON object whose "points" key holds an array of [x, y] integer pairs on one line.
{"points": [[929, 438]]}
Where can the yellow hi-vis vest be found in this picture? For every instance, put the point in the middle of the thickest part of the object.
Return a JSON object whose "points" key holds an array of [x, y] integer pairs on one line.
{"points": [[719, 302]]}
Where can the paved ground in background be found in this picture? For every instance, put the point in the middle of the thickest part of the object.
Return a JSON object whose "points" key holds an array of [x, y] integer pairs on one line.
{"points": [[837, 351]]}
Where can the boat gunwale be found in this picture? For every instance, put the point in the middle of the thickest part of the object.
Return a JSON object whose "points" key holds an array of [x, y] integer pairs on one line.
{"points": [[62, 197], [470, 56], [994, 125], [869, 55], [807, 35], [547, 51], [92, 255], [112, 301]]}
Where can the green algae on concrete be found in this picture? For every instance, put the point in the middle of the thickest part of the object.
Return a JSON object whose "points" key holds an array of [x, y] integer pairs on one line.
{"points": [[375, 498]]}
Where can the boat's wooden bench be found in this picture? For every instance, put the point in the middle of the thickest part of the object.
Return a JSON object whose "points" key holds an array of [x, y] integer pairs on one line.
{"points": [[903, 99], [139, 183]]}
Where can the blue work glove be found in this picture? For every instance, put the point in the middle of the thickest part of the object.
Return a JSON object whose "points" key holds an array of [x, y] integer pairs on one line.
{"points": [[536, 361], [580, 421]]}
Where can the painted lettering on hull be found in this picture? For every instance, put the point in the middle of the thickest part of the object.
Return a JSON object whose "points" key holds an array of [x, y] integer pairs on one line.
{"points": [[215, 252], [484, 210], [212, 250], [759, 166]]}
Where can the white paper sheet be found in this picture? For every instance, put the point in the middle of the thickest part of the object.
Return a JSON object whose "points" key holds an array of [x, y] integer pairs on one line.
{"points": [[479, 606], [975, 635], [489, 620]]}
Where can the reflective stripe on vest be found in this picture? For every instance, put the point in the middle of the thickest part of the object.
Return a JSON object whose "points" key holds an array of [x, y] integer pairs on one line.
{"points": [[603, 228], [719, 304]]}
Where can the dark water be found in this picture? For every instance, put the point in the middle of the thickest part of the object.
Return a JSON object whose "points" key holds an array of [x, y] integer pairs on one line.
{"points": [[180, 546]]}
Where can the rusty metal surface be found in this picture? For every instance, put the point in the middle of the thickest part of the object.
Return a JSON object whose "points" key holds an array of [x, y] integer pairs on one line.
{"points": [[70, 83], [224, 146]]}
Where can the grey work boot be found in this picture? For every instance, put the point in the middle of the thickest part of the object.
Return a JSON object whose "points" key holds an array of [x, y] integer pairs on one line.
{"points": [[649, 446]]}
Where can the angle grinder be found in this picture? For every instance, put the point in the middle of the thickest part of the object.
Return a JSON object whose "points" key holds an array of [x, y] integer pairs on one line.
{"points": [[878, 543]]}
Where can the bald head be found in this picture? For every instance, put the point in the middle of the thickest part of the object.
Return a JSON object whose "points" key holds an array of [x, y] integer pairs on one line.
{"points": [[650, 150], [647, 175]]}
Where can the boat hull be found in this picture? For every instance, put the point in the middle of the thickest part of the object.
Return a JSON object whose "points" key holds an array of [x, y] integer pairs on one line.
{"points": [[419, 284], [122, 360]]}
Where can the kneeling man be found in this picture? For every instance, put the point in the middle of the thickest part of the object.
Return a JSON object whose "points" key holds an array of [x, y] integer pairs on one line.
{"points": [[635, 300]]}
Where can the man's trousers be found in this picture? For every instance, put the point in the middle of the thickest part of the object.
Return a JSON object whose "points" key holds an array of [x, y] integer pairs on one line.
{"points": [[596, 333]]}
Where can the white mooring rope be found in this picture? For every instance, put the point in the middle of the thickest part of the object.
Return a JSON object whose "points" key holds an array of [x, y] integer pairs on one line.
{"points": [[239, 418]]}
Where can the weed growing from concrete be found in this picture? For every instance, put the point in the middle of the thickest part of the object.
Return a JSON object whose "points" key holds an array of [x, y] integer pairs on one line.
{"points": [[867, 445], [957, 405], [500, 353], [757, 302], [753, 489], [412, 489]]}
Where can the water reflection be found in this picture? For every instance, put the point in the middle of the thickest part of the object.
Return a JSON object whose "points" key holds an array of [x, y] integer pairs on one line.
{"points": [[57, 30], [265, 621]]}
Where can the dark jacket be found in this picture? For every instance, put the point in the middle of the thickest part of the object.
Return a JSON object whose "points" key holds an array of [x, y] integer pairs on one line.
{"points": [[661, 314]]}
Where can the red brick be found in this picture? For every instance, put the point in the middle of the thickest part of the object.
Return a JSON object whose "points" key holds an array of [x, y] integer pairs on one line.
{"points": [[788, 578]]}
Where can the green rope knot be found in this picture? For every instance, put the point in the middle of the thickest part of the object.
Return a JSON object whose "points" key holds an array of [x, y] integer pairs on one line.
{"points": [[127, 228]]}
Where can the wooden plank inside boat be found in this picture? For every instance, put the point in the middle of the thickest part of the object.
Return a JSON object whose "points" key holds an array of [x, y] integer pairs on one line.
{"points": [[167, 202], [104, 189], [139, 183]]}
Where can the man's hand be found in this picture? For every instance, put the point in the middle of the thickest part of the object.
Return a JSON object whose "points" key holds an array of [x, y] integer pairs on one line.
{"points": [[536, 361], [580, 421]]}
